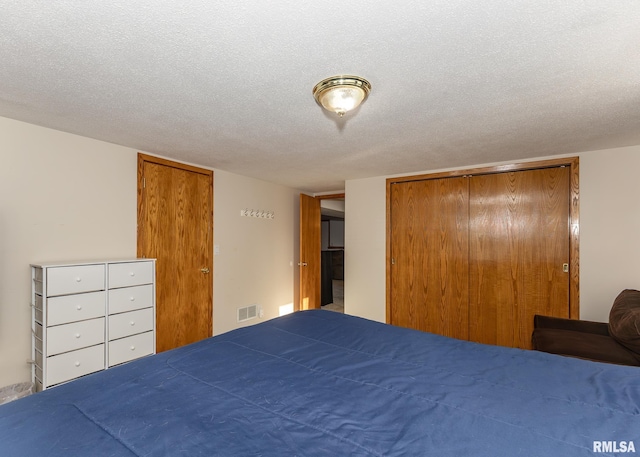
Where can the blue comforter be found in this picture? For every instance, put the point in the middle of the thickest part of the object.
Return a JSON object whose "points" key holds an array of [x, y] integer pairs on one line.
{"points": [[318, 383]]}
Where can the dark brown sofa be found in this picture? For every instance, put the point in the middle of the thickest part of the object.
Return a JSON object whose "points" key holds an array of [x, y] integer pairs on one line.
{"points": [[616, 342]]}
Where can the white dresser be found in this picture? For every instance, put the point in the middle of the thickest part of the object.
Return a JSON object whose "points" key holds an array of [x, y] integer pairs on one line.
{"points": [[90, 316]]}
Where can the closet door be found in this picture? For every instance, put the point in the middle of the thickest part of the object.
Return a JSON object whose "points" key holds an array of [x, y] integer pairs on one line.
{"points": [[175, 226], [429, 251], [519, 225]]}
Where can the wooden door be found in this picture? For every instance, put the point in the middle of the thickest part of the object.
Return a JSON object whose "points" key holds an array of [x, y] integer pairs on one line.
{"points": [[523, 236], [429, 255], [310, 246], [175, 226], [519, 253]]}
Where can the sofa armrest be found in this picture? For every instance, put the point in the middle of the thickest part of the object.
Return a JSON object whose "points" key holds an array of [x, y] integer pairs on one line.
{"points": [[597, 328]]}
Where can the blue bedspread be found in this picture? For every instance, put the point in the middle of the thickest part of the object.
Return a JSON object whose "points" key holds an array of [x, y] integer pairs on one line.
{"points": [[318, 383]]}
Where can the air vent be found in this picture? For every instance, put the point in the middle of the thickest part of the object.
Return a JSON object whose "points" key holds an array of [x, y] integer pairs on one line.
{"points": [[247, 313]]}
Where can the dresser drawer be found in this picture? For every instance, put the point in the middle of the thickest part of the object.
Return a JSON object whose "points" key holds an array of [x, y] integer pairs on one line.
{"points": [[69, 337], [130, 298], [71, 308], [130, 274], [63, 367], [75, 279], [129, 348], [125, 324]]}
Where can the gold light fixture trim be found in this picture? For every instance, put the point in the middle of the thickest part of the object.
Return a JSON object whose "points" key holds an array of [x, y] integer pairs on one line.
{"points": [[340, 94]]}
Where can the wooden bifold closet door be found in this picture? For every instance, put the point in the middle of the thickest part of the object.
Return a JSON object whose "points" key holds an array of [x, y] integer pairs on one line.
{"points": [[476, 256]]}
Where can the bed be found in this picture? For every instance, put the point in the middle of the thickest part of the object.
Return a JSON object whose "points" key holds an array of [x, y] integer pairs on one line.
{"points": [[319, 383]]}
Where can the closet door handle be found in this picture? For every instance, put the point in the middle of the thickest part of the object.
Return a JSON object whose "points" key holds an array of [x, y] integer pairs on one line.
{"points": [[204, 270]]}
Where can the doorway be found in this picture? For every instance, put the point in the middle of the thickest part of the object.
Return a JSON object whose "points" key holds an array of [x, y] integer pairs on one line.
{"points": [[332, 254], [311, 248]]}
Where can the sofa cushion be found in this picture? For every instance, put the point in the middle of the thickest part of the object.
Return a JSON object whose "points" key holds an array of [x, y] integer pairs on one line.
{"points": [[624, 320], [561, 323], [599, 348]]}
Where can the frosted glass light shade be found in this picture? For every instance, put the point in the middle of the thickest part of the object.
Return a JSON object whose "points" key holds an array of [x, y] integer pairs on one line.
{"points": [[340, 94]]}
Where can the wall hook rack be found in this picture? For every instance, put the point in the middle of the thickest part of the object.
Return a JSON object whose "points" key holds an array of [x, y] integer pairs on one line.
{"points": [[258, 213]]}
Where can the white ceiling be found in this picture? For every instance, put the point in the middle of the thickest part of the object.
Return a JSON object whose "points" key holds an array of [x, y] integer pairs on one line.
{"points": [[227, 83]]}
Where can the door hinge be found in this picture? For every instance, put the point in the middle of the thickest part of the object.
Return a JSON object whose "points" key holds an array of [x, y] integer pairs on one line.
{"points": [[393, 261], [144, 183]]}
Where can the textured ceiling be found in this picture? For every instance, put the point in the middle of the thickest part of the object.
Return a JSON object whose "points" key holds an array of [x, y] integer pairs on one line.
{"points": [[227, 83]]}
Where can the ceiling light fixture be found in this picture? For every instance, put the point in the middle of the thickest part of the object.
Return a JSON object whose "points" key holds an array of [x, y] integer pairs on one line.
{"points": [[340, 94]]}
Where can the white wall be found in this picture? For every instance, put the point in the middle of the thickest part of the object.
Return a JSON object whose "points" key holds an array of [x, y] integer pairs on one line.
{"points": [[609, 234], [255, 264], [609, 228], [62, 197], [365, 248], [66, 197]]}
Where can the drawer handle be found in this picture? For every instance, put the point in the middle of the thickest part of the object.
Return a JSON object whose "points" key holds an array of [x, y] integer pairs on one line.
{"points": [[132, 323], [77, 335], [133, 348], [77, 364], [132, 273], [132, 298], [78, 279], [79, 307]]}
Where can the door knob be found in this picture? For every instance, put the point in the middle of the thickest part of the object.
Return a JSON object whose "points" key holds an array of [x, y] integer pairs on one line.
{"points": [[204, 270], [302, 264]]}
